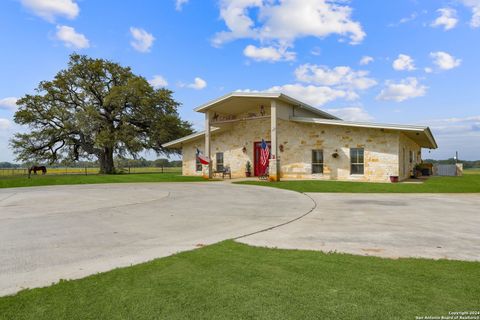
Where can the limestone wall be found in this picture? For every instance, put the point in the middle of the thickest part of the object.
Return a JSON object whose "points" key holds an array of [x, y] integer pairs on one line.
{"points": [[231, 142], [383, 150], [406, 166], [299, 139]]}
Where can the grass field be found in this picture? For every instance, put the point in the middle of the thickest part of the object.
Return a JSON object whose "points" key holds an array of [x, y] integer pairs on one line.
{"points": [[468, 183], [234, 281], [472, 171], [69, 170], [39, 180]]}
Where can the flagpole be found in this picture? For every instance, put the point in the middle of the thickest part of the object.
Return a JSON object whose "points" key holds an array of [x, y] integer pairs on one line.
{"points": [[208, 150]]}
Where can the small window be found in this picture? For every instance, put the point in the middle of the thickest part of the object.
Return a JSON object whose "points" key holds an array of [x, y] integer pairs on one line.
{"points": [[357, 161], [198, 164], [219, 158], [411, 156], [317, 161]]}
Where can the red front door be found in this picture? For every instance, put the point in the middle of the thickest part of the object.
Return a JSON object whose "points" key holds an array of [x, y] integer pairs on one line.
{"points": [[258, 168]]}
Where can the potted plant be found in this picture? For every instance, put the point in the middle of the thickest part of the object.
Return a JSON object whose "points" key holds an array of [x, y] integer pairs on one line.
{"points": [[248, 169], [418, 171], [393, 179]]}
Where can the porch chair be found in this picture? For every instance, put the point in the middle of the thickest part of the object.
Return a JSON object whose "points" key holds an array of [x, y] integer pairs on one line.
{"points": [[226, 172]]}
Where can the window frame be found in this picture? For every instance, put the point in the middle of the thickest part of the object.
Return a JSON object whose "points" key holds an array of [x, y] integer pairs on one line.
{"points": [[316, 164], [355, 155], [222, 163], [198, 165]]}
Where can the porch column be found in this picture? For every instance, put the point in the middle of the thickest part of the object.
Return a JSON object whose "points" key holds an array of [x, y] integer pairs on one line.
{"points": [[274, 163], [208, 149]]}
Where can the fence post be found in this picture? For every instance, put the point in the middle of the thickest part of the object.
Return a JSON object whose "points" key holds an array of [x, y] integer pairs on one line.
{"points": [[86, 172], [129, 169], [162, 168]]}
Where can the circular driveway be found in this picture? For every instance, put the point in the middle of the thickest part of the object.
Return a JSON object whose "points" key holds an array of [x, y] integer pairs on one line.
{"points": [[438, 226], [67, 232]]}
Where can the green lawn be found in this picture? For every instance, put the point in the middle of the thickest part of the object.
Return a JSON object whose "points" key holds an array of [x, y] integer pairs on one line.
{"points": [[39, 180], [472, 171], [468, 183], [234, 281]]}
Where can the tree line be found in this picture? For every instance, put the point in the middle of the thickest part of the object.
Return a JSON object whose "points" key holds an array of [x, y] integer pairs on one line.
{"points": [[466, 164], [119, 163]]}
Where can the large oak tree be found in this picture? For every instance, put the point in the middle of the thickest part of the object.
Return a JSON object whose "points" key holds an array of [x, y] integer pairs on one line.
{"points": [[96, 108]]}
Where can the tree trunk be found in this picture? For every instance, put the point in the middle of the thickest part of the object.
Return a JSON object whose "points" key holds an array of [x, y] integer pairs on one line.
{"points": [[106, 161]]}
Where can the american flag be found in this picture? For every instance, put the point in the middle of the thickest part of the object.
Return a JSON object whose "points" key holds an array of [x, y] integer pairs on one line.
{"points": [[264, 153], [203, 159]]}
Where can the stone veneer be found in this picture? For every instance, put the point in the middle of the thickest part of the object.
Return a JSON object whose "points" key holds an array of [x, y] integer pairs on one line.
{"points": [[299, 139], [383, 150], [231, 142]]}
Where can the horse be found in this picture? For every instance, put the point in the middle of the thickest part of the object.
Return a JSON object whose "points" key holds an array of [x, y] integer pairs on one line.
{"points": [[35, 169]]}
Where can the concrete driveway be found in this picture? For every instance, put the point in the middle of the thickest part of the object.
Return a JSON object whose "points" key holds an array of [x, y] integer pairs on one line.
{"points": [[67, 232], [388, 225]]}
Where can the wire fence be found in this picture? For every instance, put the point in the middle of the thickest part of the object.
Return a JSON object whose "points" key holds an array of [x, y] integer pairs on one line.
{"points": [[9, 172]]}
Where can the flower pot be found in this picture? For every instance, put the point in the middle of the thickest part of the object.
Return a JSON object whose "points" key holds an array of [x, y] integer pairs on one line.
{"points": [[393, 179], [248, 174]]}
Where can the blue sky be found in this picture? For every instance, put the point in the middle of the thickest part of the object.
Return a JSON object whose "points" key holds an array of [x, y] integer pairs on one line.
{"points": [[405, 61]]}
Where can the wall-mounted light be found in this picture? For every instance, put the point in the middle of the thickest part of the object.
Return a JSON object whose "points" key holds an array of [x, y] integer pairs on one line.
{"points": [[335, 154], [280, 147], [244, 149]]}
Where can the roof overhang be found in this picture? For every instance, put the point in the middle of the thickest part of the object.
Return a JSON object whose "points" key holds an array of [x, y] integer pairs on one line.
{"points": [[261, 96], [175, 144], [420, 134]]}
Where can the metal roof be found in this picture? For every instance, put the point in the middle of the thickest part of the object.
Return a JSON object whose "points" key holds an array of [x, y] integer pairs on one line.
{"points": [[268, 95], [399, 127], [190, 137]]}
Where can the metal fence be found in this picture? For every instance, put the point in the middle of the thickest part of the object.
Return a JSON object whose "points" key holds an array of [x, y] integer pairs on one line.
{"points": [[8, 172], [449, 170]]}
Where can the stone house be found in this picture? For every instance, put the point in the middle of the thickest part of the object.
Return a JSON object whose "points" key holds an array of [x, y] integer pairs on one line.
{"points": [[304, 142]]}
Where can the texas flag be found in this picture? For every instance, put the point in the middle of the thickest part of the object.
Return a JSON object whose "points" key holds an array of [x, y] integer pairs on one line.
{"points": [[202, 158]]}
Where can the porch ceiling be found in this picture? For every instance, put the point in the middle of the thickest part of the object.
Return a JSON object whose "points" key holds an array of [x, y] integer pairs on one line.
{"points": [[239, 105]]}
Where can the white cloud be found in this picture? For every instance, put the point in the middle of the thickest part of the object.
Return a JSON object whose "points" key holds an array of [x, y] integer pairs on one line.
{"points": [[351, 114], [428, 70], [410, 18], [142, 40], [366, 60], [49, 9], [5, 124], [475, 6], [9, 103], [71, 38], [341, 76], [158, 82], [316, 51], [403, 62], [405, 89], [444, 60], [282, 22], [271, 54], [179, 4], [314, 95], [198, 84], [447, 19]]}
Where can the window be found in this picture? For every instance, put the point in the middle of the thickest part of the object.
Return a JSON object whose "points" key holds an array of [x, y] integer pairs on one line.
{"points": [[411, 156], [198, 164], [317, 161], [219, 158], [357, 162]]}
